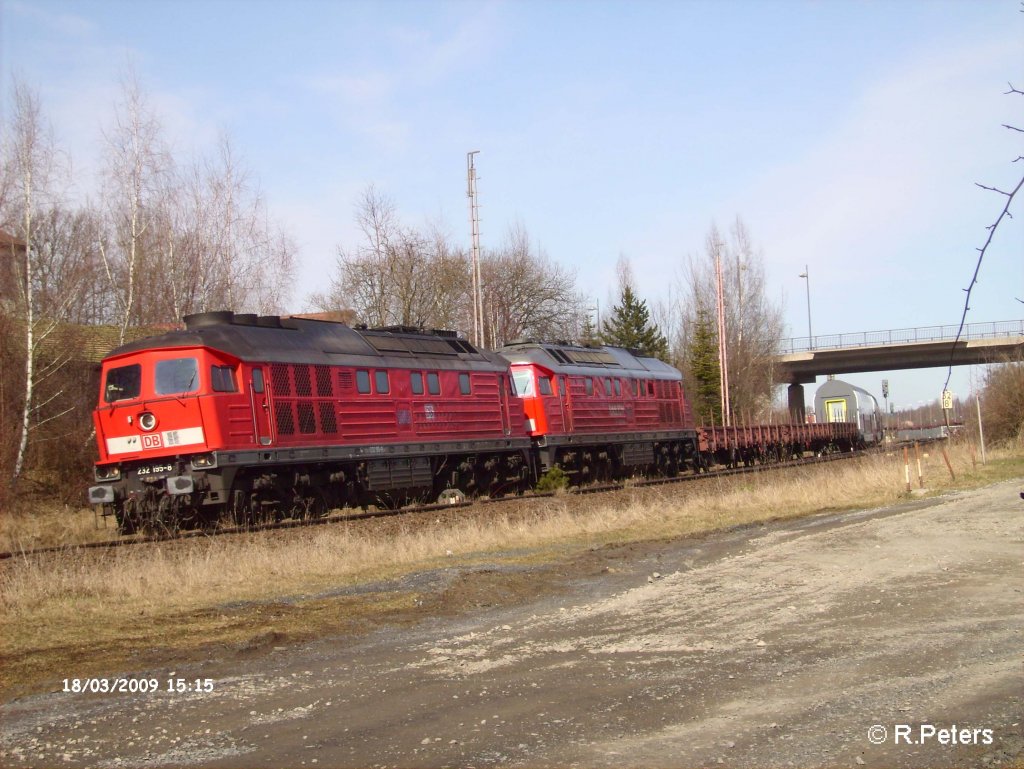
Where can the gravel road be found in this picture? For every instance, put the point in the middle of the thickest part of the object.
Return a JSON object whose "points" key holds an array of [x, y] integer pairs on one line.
{"points": [[888, 637]]}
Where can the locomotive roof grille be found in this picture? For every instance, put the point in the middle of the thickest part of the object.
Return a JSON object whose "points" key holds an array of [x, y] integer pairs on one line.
{"points": [[441, 332], [419, 345], [589, 358]]}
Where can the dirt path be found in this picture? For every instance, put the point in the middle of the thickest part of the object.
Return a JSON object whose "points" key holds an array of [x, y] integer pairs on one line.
{"points": [[788, 645]]}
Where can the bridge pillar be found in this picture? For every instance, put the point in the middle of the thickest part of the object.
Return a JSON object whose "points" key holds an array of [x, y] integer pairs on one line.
{"points": [[797, 411]]}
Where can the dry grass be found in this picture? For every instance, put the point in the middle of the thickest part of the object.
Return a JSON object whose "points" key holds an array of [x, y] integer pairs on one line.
{"points": [[51, 524], [77, 612]]}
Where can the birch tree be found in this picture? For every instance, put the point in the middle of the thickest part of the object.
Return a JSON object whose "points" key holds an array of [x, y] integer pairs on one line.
{"points": [[219, 248], [136, 172], [30, 166]]}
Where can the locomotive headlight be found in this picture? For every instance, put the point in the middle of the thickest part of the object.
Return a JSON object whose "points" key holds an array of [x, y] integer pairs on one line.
{"points": [[147, 421], [108, 473], [200, 461]]}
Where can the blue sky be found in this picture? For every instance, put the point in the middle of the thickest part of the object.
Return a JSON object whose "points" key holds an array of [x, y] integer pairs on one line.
{"points": [[848, 135]]}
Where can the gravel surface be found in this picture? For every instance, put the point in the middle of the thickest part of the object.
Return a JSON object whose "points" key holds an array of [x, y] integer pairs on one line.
{"points": [[889, 637]]}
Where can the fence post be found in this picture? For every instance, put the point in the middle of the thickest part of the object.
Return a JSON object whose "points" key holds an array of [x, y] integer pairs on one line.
{"points": [[981, 430], [949, 466], [906, 467]]}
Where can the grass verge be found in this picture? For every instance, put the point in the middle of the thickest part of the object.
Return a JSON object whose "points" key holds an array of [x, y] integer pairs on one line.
{"points": [[78, 613]]}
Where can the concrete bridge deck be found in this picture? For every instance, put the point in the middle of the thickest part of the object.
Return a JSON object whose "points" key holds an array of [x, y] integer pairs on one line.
{"points": [[802, 359]]}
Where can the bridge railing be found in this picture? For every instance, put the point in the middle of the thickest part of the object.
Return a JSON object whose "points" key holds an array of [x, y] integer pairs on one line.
{"points": [[994, 330]]}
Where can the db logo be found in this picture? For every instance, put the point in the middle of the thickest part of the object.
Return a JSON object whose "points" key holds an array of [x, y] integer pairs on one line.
{"points": [[151, 442]]}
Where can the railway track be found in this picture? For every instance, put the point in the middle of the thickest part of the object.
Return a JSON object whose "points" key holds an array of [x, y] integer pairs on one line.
{"points": [[372, 514]]}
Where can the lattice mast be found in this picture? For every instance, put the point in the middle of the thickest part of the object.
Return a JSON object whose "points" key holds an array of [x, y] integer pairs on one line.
{"points": [[474, 225]]}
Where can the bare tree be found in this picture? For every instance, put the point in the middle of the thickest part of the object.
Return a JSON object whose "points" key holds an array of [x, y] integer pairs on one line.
{"points": [[70, 282], [415, 277], [137, 166], [397, 275], [30, 162], [219, 248], [753, 323], [525, 294], [361, 279]]}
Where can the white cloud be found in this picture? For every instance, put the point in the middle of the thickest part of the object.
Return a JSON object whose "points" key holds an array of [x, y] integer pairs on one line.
{"points": [[67, 24]]}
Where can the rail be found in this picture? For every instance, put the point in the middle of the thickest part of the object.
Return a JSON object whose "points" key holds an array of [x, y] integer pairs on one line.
{"points": [[355, 516], [996, 330]]}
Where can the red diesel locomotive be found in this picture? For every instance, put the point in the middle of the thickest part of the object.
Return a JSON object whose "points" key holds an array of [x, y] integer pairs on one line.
{"points": [[600, 413], [248, 419]]}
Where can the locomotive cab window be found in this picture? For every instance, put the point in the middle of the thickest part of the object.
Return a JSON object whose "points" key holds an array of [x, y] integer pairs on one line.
{"points": [[222, 379], [383, 387], [523, 383], [257, 380], [177, 376], [545, 385], [363, 381], [464, 384], [123, 383]]}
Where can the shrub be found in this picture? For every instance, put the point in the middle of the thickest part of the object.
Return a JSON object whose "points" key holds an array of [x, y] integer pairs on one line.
{"points": [[553, 480]]}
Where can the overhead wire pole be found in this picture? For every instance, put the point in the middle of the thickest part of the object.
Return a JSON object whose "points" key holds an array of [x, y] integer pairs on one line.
{"points": [[474, 225]]}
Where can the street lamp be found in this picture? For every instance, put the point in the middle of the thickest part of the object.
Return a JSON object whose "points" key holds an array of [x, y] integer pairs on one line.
{"points": [[806, 275]]}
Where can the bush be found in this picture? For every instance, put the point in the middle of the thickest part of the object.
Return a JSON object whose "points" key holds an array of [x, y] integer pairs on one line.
{"points": [[1002, 402], [553, 480]]}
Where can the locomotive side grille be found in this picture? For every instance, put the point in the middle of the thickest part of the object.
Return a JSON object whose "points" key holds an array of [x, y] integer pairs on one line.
{"points": [[307, 422], [280, 380], [303, 385], [323, 382], [285, 419], [328, 422]]}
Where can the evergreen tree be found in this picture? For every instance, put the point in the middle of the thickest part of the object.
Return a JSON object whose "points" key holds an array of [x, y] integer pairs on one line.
{"points": [[630, 326], [589, 335], [705, 393]]}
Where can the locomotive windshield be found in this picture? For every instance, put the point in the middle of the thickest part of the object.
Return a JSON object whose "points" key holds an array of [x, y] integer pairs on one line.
{"points": [[524, 383], [123, 383], [177, 376]]}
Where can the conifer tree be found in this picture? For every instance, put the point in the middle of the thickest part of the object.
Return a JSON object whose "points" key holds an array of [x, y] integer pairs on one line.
{"points": [[589, 335], [630, 326], [705, 393]]}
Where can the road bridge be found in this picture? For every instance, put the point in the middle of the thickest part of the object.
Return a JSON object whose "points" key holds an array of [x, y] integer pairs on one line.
{"points": [[802, 359]]}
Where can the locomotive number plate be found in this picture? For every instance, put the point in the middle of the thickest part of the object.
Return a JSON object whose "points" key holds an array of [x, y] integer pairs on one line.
{"points": [[154, 469]]}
